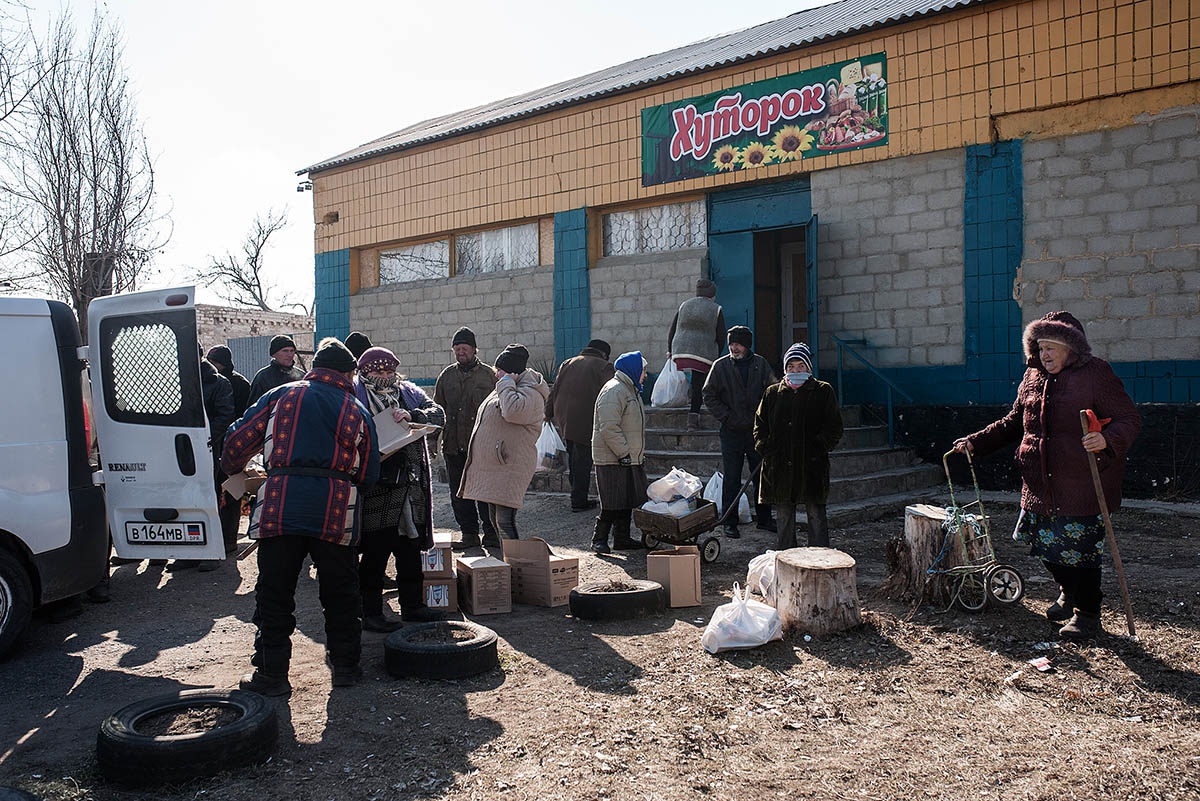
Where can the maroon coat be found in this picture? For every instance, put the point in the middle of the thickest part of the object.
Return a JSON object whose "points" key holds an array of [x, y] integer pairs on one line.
{"points": [[1056, 479]]}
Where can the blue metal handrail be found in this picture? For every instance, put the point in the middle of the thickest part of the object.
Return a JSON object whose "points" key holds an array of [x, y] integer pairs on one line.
{"points": [[846, 345]]}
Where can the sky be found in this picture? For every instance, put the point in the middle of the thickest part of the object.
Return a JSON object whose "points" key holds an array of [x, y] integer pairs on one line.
{"points": [[237, 95]]}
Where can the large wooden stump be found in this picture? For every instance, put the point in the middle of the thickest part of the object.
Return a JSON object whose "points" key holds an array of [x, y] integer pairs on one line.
{"points": [[910, 556], [816, 590]]}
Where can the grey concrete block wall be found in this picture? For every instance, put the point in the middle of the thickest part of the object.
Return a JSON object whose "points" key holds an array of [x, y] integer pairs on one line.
{"points": [[1113, 235], [634, 299], [890, 258], [417, 320]]}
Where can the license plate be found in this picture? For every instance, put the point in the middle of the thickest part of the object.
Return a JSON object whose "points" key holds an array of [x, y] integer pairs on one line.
{"points": [[173, 533]]}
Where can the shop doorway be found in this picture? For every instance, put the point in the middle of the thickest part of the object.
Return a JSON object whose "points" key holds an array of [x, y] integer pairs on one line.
{"points": [[785, 291]]}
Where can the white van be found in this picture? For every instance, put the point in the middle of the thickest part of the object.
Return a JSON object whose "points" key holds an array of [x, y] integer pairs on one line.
{"points": [[152, 485]]}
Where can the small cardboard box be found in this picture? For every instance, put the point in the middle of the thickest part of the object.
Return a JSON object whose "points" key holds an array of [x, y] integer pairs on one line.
{"points": [[678, 570], [393, 436], [539, 577], [249, 481], [438, 561], [442, 593], [484, 585]]}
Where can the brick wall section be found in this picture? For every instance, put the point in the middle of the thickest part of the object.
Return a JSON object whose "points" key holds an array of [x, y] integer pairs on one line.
{"points": [[890, 259], [219, 324], [417, 320], [1112, 233], [634, 299]]}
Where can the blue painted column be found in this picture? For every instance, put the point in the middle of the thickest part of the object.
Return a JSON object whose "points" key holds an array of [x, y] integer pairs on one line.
{"points": [[331, 298], [572, 289]]}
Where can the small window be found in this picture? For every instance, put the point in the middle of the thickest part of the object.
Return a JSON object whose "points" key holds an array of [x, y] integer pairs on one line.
{"points": [[149, 380], [415, 262], [655, 229], [500, 249]]}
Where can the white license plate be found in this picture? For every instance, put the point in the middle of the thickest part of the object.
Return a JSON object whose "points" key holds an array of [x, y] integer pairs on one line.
{"points": [[173, 533]]}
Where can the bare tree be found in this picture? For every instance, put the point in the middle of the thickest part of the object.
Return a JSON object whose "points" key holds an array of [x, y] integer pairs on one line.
{"points": [[240, 279], [86, 177]]}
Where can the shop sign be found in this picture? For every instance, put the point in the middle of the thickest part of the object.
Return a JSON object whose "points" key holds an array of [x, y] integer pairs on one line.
{"points": [[829, 109]]}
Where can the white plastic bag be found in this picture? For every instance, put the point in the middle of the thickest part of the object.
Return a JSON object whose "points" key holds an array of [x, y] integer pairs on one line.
{"points": [[681, 507], [712, 492], [549, 443], [671, 387], [657, 507], [741, 623], [743, 508], [674, 485], [760, 577]]}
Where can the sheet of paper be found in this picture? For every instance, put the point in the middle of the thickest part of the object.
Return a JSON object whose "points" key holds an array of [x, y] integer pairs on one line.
{"points": [[393, 436]]}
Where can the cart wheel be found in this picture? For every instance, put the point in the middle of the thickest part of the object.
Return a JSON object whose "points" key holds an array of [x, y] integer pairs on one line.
{"points": [[1005, 584], [972, 592], [649, 540], [710, 549]]}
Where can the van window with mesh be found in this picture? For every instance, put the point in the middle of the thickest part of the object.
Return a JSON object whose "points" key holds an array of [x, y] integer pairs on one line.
{"points": [[149, 377]]}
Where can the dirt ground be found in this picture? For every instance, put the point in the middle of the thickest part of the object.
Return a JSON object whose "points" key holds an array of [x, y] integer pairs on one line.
{"points": [[912, 704]]}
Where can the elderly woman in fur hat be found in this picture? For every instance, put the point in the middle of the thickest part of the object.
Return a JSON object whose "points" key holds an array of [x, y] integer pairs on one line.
{"points": [[1060, 515], [398, 511]]}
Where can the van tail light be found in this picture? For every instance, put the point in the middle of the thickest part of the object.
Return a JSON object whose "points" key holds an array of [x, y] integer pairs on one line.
{"points": [[87, 430]]}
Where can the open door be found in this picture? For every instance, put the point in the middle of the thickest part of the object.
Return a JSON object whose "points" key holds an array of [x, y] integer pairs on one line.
{"points": [[149, 415]]}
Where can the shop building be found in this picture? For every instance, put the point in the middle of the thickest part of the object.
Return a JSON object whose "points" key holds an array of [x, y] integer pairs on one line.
{"points": [[910, 181]]}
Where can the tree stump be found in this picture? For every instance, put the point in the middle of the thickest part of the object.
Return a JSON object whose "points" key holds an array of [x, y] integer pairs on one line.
{"points": [[816, 590], [910, 556]]}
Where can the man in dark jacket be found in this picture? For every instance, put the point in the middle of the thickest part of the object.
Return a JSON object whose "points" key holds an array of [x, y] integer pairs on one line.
{"points": [[320, 451], [281, 370], [572, 405], [230, 507], [459, 390], [732, 392]]}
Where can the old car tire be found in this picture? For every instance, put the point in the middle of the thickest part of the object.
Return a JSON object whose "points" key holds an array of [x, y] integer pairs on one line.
{"points": [[407, 655], [13, 794], [16, 600], [596, 601], [127, 755]]}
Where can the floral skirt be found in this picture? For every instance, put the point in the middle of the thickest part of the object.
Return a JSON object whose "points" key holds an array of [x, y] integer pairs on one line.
{"points": [[1062, 540]]}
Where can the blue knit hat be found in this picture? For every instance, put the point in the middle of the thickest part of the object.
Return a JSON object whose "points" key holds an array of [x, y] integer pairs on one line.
{"points": [[798, 351]]}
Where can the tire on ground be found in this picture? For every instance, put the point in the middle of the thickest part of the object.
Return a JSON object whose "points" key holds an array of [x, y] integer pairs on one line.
{"points": [[597, 601], [16, 600], [13, 794], [128, 755], [410, 653]]}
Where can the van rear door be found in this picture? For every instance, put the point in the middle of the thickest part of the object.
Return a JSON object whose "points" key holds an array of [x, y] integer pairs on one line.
{"points": [[149, 415]]}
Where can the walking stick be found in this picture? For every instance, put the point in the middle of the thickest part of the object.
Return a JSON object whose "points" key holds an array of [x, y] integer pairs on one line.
{"points": [[1087, 419]]}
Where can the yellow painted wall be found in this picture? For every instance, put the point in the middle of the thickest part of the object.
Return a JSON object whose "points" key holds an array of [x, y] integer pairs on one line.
{"points": [[954, 79]]}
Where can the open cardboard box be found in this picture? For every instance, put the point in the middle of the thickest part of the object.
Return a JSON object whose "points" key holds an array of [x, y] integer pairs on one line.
{"points": [[249, 481], [539, 577], [678, 570], [393, 436]]}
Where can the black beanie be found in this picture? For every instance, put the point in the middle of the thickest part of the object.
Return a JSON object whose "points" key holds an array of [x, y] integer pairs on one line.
{"points": [[281, 341], [513, 358], [464, 336], [602, 346], [358, 343], [741, 335], [219, 354], [333, 355]]}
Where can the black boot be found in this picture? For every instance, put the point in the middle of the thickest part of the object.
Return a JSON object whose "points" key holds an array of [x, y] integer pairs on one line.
{"points": [[600, 535], [1062, 609], [1082, 627], [621, 539]]}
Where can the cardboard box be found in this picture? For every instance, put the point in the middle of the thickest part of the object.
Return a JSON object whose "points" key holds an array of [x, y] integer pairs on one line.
{"points": [[442, 593], [247, 481], [438, 561], [393, 436], [539, 577], [678, 570], [484, 585]]}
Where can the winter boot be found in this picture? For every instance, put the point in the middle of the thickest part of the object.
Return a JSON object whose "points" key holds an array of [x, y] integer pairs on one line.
{"points": [[1081, 627], [763, 519], [266, 684], [693, 421], [621, 539], [1062, 609], [600, 535]]}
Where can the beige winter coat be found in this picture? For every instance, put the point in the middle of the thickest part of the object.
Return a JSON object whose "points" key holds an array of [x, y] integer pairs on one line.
{"points": [[620, 427], [503, 451]]}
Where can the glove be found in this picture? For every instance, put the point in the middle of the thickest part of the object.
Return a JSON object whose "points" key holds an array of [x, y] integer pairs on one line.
{"points": [[625, 460]]}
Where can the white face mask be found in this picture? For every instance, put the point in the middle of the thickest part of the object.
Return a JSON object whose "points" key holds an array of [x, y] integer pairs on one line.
{"points": [[796, 379]]}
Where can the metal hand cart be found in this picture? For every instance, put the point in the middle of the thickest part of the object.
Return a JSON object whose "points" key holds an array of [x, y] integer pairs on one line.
{"points": [[977, 578], [691, 528]]}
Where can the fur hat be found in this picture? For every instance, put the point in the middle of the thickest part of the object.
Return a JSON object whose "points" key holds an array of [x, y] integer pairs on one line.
{"points": [[798, 351], [281, 341], [377, 359], [602, 346], [333, 355], [358, 343], [741, 335], [464, 336], [706, 288], [221, 355], [513, 359], [1060, 327]]}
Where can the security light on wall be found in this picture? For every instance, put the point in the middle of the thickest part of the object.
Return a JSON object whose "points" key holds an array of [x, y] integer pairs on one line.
{"points": [[304, 186]]}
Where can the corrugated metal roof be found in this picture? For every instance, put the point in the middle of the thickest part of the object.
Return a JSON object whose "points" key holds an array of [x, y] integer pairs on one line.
{"points": [[795, 30]]}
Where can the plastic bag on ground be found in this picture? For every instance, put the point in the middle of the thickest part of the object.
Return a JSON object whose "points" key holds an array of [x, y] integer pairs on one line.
{"points": [[549, 443], [671, 388], [760, 576], [674, 485], [741, 623]]}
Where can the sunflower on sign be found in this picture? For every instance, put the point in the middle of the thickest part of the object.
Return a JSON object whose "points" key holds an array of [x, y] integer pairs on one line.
{"points": [[726, 158], [754, 155], [790, 142]]}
